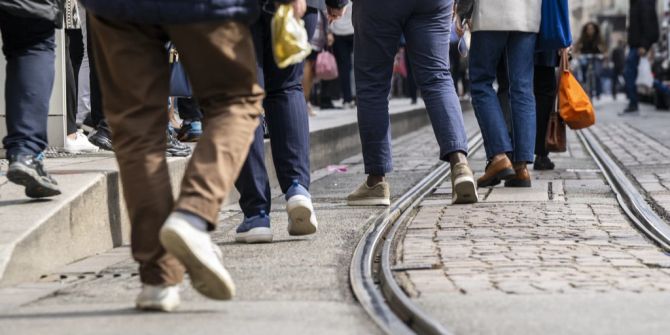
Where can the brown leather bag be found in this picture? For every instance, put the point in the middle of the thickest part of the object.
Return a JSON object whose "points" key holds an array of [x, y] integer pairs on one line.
{"points": [[556, 139]]}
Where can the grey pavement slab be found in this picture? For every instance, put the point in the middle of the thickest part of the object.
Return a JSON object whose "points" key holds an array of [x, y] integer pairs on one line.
{"points": [[552, 314]]}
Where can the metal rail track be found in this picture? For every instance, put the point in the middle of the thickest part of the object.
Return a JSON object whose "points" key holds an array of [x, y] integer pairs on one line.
{"points": [[631, 200], [370, 272]]}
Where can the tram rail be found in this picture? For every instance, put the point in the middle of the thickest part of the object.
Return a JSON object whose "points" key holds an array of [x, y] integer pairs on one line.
{"points": [[370, 272], [630, 198]]}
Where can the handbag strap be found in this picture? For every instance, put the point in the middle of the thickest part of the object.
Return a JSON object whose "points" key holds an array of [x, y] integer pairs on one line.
{"points": [[564, 66]]}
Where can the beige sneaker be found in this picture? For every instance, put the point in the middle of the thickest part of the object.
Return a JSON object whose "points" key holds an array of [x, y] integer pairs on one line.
{"points": [[464, 189], [378, 195]]}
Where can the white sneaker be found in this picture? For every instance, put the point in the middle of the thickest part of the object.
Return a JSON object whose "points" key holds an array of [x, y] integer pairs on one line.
{"points": [[79, 144], [201, 257], [158, 298], [301, 217]]}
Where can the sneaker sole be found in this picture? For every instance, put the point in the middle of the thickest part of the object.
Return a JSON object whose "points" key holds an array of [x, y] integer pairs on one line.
{"points": [[495, 180], [150, 306], [81, 151], [370, 202], [300, 213], [205, 279], [465, 191], [255, 235], [35, 187]]}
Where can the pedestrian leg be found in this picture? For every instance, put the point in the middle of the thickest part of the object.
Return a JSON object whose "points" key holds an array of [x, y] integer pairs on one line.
{"points": [[135, 54], [29, 47], [630, 75], [427, 32]]}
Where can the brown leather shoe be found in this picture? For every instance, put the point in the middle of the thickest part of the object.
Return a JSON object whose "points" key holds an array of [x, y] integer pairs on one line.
{"points": [[496, 171], [522, 177]]}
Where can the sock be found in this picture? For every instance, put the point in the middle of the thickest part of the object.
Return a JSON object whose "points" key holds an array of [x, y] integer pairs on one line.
{"points": [[457, 157], [196, 221]]}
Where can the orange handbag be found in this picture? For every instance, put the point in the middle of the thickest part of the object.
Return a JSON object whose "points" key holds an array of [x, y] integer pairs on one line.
{"points": [[574, 105]]}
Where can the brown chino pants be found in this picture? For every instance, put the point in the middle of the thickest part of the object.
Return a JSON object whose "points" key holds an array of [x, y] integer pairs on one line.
{"points": [[134, 76]]}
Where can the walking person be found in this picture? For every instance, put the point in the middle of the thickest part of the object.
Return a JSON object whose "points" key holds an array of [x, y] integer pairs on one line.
{"points": [[318, 39], [545, 88], [591, 49], [28, 44], [643, 32], [343, 48], [75, 141], [216, 49], [288, 124], [505, 32], [378, 26], [618, 58]]}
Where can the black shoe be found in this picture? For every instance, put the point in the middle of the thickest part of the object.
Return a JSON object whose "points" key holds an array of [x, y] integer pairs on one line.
{"points": [[174, 147], [102, 139], [543, 163], [630, 110], [27, 171]]}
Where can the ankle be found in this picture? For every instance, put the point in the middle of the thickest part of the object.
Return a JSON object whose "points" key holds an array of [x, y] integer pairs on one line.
{"points": [[519, 165], [457, 157], [374, 180], [193, 219]]}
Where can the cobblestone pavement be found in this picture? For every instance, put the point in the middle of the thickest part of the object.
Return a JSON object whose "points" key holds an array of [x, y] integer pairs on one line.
{"points": [[645, 159], [560, 258], [291, 286]]}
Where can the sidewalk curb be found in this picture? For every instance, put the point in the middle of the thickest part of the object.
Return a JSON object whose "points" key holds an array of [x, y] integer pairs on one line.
{"points": [[93, 219]]}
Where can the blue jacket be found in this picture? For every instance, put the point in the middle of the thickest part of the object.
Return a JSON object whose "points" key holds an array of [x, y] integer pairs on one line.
{"points": [[174, 11]]}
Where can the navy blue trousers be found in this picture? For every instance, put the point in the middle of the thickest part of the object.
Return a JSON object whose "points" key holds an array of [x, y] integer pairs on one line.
{"points": [[426, 26], [287, 120], [29, 47]]}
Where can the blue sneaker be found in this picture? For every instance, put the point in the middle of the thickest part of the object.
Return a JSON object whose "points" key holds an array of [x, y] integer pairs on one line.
{"points": [[301, 217], [190, 131], [255, 229]]}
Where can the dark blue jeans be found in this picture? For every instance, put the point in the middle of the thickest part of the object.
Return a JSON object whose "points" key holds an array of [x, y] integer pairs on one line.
{"points": [[516, 49], [630, 76], [29, 47], [288, 124], [425, 24]]}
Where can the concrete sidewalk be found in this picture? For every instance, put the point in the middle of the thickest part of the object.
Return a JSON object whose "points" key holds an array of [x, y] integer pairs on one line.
{"points": [[37, 236], [295, 285]]}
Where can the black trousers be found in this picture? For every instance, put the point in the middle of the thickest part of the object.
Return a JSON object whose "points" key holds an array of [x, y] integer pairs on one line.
{"points": [[97, 114], [74, 44], [544, 86], [189, 109]]}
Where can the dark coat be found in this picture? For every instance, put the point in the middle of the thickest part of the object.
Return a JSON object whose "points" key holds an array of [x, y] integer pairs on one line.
{"points": [[174, 11], [51, 10], [319, 4], [643, 28]]}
